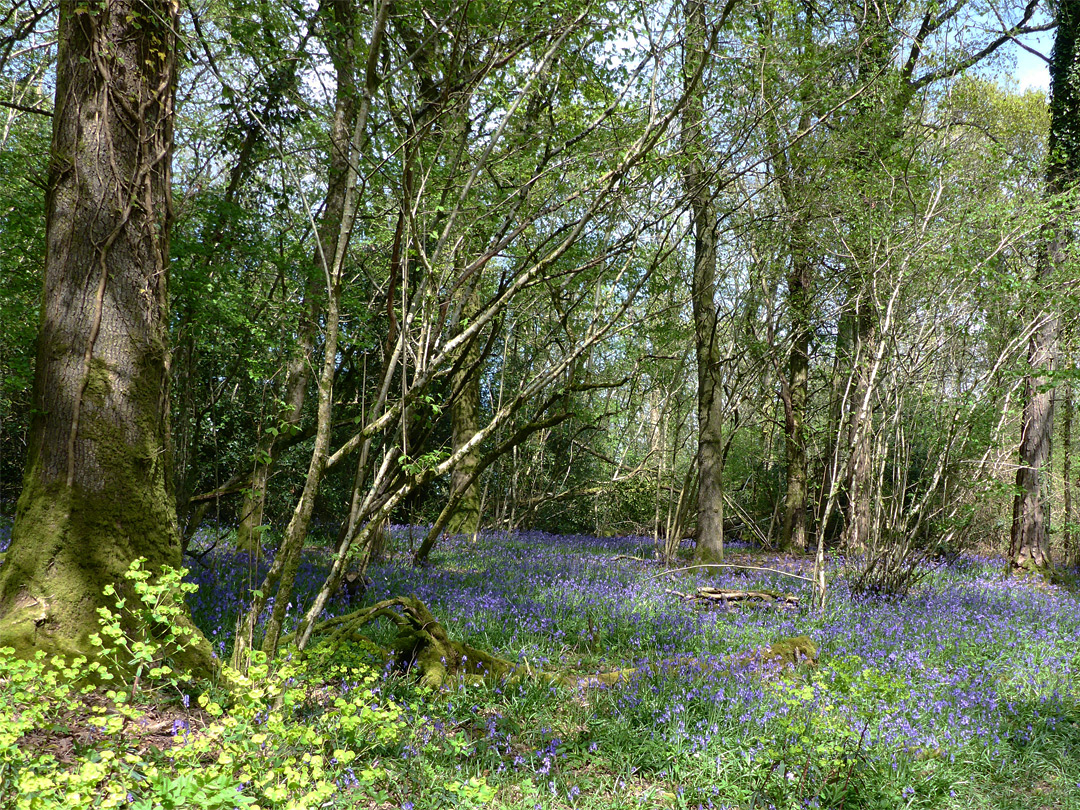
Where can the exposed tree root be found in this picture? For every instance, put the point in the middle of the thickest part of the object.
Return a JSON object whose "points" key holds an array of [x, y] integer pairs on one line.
{"points": [[422, 644]]}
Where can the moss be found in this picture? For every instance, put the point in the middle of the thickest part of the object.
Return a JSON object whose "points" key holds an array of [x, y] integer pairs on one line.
{"points": [[466, 516], [422, 642], [705, 555], [68, 543], [793, 651], [354, 650], [1029, 568], [423, 646], [99, 385]]}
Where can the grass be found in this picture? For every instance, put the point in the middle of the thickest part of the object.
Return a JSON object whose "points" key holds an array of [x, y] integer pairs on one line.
{"points": [[963, 695]]}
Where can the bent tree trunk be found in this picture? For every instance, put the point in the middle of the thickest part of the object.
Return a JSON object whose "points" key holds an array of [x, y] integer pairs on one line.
{"points": [[96, 489]]}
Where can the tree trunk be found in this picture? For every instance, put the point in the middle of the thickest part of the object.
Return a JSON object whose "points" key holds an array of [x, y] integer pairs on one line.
{"points": [[1029, 543], [297, 375], [794, 390], [465, 419], [857, 528], [793, 536], [710, 504], [283, 572], [97, 490], [338, 37], [1066, 476]]}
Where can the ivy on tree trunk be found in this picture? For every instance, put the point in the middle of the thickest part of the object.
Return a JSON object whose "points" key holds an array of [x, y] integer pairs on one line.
{"points": [[97, 483]]}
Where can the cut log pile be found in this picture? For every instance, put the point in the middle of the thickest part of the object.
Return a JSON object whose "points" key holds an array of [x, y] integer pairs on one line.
{"points": [[725, 597]]}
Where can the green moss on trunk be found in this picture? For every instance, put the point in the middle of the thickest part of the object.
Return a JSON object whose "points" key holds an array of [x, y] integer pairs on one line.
{"points": [[67, 545]]}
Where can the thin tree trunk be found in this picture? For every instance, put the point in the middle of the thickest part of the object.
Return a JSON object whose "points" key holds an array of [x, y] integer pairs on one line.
{"points": [[832, 460], [794, 389], [339, 39], [860, 436], [1066, 476], [1029, 541], [793, 534], [297, 377], [221, 237], [465, 419], [283, 572]]}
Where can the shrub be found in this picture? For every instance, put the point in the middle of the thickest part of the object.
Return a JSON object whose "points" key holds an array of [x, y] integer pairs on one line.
{"points": [[70, 731]]}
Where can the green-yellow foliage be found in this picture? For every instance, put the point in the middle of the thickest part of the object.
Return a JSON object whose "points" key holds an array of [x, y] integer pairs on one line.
{"points": [[274, 739], [812, 740]]}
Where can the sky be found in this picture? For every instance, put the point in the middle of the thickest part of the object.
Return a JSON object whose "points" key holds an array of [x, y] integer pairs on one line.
{"points": [[1031, 71]]}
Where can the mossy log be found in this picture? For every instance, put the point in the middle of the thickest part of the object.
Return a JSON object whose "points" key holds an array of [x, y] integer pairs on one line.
{"points": [[422, 644], [794, 652]]}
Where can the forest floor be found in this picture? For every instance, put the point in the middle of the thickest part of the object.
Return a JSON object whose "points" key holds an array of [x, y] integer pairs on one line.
{"points": [[965, 694]]}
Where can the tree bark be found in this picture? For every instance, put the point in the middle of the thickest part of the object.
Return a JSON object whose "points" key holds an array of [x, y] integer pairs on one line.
{"points": [[710, 503], [97, 484], [465, 422], [857, 529], [794, 389], [1029, 542], [1066, 476], [793, 535]]}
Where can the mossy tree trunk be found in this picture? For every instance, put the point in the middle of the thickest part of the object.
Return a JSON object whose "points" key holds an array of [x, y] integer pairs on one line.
{"points": [[791, 174], [857, 529], [794, 533], [423, 645], [96, 491], [1067, 523]]}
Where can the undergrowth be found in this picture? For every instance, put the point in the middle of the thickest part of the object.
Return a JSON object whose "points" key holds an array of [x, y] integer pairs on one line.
{"points": [[963, 694]]}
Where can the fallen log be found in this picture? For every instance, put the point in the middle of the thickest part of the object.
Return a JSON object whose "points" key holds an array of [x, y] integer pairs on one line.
{"points": [[725, 596]]}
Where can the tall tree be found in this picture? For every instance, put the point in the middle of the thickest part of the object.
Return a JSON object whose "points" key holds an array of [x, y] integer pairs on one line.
{"points": [[697, 180], [96, 489], [1029, 544]]}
